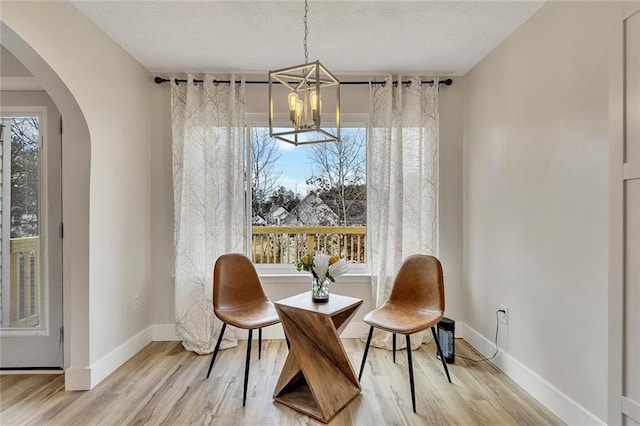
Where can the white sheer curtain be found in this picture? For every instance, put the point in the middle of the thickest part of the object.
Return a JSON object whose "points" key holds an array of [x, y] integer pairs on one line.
{"points": [[208, 176], [403, 183]]}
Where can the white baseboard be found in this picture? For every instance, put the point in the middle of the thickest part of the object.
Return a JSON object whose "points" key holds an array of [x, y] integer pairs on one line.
{"points": [[86, 378], [77, 378], [353, 330], [114, 359], [557, 402], [631, 408], [27, 371], [167, 332]]}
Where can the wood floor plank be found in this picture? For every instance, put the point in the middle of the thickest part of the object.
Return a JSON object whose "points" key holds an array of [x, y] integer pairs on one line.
{"points": [[165, 385]]}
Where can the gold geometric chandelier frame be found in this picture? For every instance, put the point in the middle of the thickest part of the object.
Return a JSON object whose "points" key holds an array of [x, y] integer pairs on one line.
{"points": [[309, 85]]}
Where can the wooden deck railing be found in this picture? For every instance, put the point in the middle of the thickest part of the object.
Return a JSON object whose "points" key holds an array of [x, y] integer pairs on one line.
{"points": [[24, 291], [286, 244]]}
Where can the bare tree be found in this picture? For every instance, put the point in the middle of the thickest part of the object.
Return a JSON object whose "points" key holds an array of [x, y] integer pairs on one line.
{"points": [[339, 176], [25, 172], [265, 175], [285, 198]]}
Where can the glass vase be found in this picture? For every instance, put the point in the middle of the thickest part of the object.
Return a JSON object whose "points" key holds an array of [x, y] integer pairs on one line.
{"points": [[320, 290]]}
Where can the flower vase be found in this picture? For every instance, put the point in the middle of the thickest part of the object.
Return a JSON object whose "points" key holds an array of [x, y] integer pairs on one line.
{"points": [[320, 290]]}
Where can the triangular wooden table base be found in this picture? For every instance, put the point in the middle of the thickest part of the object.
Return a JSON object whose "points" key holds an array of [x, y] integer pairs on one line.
{"points": [[317, 378]]}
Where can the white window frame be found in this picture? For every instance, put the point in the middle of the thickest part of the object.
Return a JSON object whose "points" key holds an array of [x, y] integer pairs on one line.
{"points": [[41, 113], [282, 272]]}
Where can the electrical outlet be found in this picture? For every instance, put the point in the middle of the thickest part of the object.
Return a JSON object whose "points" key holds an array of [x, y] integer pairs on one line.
{"points": [[504, 316], [136, 303]]}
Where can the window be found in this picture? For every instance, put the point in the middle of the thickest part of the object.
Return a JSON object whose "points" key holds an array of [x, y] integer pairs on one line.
{"points": [[308, 198], [21, 293]]}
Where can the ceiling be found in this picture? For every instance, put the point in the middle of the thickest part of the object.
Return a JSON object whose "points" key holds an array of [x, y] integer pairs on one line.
{"points": [[427, 38]]}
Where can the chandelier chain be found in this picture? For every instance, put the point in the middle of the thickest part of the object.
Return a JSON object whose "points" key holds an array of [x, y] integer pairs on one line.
{"points": [[306, 32]]}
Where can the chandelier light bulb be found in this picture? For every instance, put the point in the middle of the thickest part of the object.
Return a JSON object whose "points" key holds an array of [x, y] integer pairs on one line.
{"points": [[293, 105], [314, 99], [293, 101], [299, 112]]}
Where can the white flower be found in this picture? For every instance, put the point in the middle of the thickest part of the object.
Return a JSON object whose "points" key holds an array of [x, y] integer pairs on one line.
{"points": [[321, 264], [339, 268]]}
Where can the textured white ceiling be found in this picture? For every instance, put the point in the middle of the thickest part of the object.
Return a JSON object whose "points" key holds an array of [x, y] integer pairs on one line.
{"points": [[444, 38]]}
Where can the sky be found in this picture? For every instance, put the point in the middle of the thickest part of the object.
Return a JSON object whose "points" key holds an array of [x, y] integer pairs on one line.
{"points": [[296, 166]]}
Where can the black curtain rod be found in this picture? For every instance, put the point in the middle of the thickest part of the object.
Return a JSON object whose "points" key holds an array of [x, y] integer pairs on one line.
{"points": [[160, 80]]}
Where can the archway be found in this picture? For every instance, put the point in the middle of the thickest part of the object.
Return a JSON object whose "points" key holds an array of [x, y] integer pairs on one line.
{"points": [[75, 183]]}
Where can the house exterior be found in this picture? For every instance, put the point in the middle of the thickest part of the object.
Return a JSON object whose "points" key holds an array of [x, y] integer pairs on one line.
{"points": [[311, 211], [258, 220], [276, 215]]}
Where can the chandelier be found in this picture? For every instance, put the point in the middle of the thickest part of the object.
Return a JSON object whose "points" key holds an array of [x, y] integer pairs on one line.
{"points": [[305, 91]]}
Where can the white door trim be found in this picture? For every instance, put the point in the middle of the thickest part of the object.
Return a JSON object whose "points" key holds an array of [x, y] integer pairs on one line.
{"points": [[618, 173]]}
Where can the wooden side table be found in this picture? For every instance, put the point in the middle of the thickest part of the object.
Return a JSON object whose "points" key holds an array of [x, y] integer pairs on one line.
{"points": [[317, 378]]}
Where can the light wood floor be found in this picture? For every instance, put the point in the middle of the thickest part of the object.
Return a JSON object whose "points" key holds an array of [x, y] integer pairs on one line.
{"points": [[166, 385]]}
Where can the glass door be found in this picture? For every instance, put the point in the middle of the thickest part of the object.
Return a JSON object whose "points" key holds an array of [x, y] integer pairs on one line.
{"points": [[30, 325], [20, 264]]}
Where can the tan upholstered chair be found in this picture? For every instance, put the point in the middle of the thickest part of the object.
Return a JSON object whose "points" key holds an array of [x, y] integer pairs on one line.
{"points": [[239, 300], [416, 303]]}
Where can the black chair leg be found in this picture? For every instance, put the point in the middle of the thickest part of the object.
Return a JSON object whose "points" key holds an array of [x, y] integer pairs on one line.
{"points": [[364, 356], [413, 391], [394, 348], [215, 351], [259, 342], [444, 363], [246, 369]]}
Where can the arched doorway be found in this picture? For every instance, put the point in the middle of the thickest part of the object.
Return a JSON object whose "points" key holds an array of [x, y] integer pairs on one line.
{"points": [[75, 200]]}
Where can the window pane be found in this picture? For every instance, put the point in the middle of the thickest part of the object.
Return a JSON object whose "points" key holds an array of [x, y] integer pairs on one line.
{"points": [[20, 234], [308, 198]]}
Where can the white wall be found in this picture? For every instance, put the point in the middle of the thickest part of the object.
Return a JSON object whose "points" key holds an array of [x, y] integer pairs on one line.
{"points": [[354, 101], [162, 261], [450, 196], [111, 90], [14, 75], [536, 201], [10, 66]]}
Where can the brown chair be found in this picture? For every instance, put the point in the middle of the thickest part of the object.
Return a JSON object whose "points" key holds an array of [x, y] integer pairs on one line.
{"points": [[239, 300], [415, 304]]}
